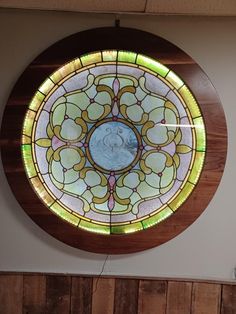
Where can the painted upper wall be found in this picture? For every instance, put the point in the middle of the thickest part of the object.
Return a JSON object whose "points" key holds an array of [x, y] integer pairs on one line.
{"points": [[206, 249]]}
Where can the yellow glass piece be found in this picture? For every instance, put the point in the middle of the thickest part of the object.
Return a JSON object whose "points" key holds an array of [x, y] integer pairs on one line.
{"points": [[46, 86], [26, 139], [93, 227], [36, 101], [183, 195], [91, 58], [28, 160], [41, 191], [28, 123], [200, 134], [152, 65], [190, 101], [61, 212], [109, 55], [174, 80], [183, 149], [153, 220], [197, 169], [129, 228], [125, 56], [44, 142]]}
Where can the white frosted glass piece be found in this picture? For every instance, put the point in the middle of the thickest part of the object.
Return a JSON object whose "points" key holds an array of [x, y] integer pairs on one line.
{"points": [[42, 162], [147, 207], [176, 101], [54, 190], [55, 95], [42, 125], [78, 81], [72, 203], [155, 85]]}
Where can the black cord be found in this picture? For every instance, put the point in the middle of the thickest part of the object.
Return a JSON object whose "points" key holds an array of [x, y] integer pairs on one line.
{"points": [[100, 274]]}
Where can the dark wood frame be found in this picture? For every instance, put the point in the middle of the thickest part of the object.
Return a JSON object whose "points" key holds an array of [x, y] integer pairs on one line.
{"points": [[132, 40]]}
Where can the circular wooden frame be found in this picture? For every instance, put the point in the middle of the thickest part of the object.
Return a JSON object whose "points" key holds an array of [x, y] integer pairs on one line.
{"points": [[105, 39]]}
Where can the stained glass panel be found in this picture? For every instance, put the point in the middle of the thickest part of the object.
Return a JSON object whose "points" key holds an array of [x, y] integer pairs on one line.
{"points": [[113, 142]]}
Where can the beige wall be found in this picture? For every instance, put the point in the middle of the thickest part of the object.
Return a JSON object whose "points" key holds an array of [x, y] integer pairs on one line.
{"points": [[207, 248]]}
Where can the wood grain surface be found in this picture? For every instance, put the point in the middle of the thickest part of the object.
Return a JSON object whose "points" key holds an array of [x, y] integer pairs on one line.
{"points": [[206, 298], [152, 297], [179, 297], [64, 294], [34, 294], [140, 42]]}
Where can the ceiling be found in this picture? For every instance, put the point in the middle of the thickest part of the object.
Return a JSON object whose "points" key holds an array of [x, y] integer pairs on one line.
{"points": [[173, 7]]}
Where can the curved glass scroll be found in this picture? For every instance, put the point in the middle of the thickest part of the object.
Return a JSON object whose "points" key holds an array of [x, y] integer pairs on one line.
{"points": [[113, 142]]}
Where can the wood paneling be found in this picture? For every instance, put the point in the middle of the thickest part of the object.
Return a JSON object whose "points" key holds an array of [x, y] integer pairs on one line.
{"points": [[126, 296], [34, 296], [81, 295], [11, 294], [103, 296], [228, 302], [152, 297], [206, 298], [179, 297], [58, 294], [64, 294]]}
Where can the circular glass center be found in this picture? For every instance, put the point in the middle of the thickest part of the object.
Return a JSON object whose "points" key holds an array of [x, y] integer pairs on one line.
{"points": [[113, 146]]}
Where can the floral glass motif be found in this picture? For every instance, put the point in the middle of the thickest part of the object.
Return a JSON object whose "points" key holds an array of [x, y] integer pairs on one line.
{"points": [[113, 142]]}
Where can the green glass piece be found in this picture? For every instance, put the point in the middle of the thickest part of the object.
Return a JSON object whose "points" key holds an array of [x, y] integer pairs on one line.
{"points": [[153, 220], [41, 191], [109, 55], [28, 123], [66, 70], [174, 80], [197, 168], [152, 65], [129, 228], [190, 101], [200, 134], [92, 58], [46, 87], [36, 101], [125, 56], [64, 214], [93, 227], [28, 160], [182, 196]]}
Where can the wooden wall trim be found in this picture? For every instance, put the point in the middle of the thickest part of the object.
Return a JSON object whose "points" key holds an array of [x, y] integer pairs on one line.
{"points": [[62, 293], [103, 276]]}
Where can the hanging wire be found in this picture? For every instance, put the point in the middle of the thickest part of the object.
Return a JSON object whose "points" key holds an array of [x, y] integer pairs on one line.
{"points": [[100, 274]]}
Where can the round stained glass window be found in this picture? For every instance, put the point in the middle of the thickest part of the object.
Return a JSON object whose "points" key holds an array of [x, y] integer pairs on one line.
{"points": [[121, 147], [113, 142]]}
